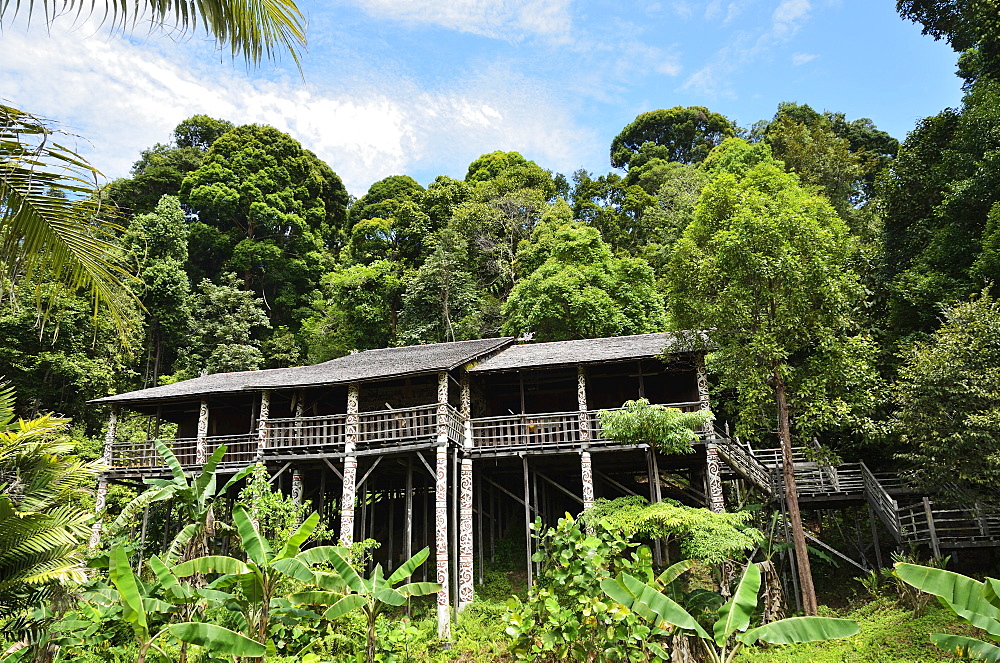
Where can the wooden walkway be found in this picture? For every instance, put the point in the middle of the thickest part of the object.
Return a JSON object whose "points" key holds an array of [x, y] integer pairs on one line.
{"points": [[919, 520]]}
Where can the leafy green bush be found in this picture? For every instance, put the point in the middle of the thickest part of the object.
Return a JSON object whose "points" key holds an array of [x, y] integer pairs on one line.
{"points": [[566, 615], [701, 534], [671, 430]]}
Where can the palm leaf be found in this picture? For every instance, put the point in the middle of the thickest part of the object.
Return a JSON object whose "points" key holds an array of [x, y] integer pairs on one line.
{"points": [[801, 629], [965, 647], [408, 567], [735, 614], [49, 217], [253, 29]]}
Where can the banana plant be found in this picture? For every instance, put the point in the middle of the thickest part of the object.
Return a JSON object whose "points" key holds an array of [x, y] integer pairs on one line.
{"points": [[141, 611], [196, 498], [731, 631], [977, 603], [372, 595], [258, 577]]}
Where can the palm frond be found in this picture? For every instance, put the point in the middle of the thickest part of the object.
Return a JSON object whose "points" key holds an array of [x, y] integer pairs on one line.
{"points": [[6, 404], [253, 29], [49, 216]]}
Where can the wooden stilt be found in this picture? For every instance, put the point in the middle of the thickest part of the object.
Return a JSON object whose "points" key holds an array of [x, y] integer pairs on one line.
{"points": [[441, 510], [408, 511], [350, 467], [527, 516], [465, 552], [479, 531]]}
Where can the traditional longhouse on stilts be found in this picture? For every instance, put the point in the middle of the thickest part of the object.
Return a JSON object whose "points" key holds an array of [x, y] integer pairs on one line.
{"points": [[449, 445], [458, 446]]}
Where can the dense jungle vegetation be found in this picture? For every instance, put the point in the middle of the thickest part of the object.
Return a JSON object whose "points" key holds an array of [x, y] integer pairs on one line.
{"points": [[849, 281]]}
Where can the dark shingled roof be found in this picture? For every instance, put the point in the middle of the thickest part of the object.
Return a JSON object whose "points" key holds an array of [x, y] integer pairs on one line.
{"points": [[382, 364], [586, 351], [217, 383], [359, 367]]}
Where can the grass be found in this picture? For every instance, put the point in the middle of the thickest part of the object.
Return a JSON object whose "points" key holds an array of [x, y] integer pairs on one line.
{"points": [[889, 634]]}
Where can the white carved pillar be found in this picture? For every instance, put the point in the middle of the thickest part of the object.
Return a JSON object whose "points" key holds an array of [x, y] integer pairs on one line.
{"points": [[350, 466], [465, 552], [581, 402], [465, 546], [713, 471], [441, 510], [201, 443], [300, 406], [100, 502], [265, 413], [297, 493], [109, 436], [587, 473], [704, 402], [441, 541]]}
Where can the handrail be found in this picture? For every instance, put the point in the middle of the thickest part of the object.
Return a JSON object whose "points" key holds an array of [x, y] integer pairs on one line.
{"points": [[882, 503]]}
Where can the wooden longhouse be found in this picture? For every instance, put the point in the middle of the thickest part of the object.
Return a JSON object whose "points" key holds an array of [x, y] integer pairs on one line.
{"points": [[461, 441]]}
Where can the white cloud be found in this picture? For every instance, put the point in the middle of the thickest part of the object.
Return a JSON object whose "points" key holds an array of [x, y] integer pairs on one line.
{"points": [[800, 59], [125, 97], [714, 79], [498, 19], [788, 17]]}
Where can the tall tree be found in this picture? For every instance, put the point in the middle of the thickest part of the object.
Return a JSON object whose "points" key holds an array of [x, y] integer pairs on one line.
{"points": [[949, 400], [48, 220], [689, 134], [269, 210], [357, 309], [765, 266], [159, 241], [582, 291], [226, 330], [441, 301]]}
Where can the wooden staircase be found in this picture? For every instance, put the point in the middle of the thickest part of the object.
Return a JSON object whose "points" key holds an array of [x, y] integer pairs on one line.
{"points": [[918, 521]]}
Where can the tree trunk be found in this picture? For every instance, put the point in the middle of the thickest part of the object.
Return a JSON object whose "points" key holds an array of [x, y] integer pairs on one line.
{"points": [[792, 498], [370, 648]]}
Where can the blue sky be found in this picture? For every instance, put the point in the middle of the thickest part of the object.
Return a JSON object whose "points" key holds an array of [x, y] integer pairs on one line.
{"points": [[422, 87]]}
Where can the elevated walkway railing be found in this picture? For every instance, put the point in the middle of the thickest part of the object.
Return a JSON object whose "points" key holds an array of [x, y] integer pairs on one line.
{"points": [[142, 454]]}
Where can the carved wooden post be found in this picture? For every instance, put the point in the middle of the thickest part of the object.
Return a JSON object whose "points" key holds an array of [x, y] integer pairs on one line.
{"points": [[265, 413], [350, 467], [441, 509], [201, 444], [586, 469], [297, 493], [100, 500], [299, 411], [465, 551], [713, 470], [716, 500]]}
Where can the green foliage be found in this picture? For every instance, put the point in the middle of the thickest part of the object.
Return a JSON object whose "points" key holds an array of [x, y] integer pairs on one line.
{"points": [[356, 310], [225, 318], [668, 428], [731, 631], [42, 523], [583, 291], [73, 358], [889, 634], [948, 394], [565, 615], [689, 134], [441, 301], [194, 498], [766, 266], [267, 209], [976, 603], [700, 534], [276, 514], [372, 595]]}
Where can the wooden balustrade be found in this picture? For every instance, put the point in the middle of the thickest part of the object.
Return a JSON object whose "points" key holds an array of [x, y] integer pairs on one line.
{"points": [[292, 433], [143, 453]]}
